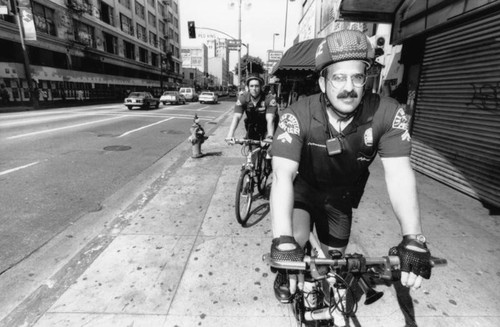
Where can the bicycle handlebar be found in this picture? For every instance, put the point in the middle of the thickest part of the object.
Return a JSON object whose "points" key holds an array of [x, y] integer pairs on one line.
{"points": [[388, 261], [251, 142]]}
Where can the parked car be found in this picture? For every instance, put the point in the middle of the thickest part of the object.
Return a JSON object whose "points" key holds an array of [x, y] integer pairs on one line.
{"points": [[208, 97], [189, 93], [232, 93], [172, 97], [143, 100]]}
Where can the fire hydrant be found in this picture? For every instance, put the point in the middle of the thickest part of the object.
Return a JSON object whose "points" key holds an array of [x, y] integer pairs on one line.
{"points": [[197, 137]]}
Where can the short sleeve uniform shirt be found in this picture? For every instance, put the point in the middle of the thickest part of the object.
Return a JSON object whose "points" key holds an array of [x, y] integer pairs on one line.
{"points": [[379, 126]]}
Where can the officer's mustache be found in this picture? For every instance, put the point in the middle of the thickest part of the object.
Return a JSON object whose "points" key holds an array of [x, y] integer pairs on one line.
{"points": [[346, 94]]}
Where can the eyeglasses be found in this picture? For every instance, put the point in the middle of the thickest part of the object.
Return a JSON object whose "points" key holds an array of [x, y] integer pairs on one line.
{"points": [[339, 80]]}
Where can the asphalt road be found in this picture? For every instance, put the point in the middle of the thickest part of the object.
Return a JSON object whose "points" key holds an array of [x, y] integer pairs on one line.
{"points": [[58, 165]]}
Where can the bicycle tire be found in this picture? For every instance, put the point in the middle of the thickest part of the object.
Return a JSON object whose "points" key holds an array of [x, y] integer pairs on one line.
{"points": [[263, 176], [244, 197]]}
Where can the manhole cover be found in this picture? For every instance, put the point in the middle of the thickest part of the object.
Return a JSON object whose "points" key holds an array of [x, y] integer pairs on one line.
{"points": [[117, 148], [169, 131]]}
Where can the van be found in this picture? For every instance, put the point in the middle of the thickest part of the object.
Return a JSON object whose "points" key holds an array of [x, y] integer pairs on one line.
{"points": [[189, 93]]}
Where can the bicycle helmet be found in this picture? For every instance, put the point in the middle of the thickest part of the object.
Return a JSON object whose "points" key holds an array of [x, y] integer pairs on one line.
{"points": [[255, 77], [343, 45]]}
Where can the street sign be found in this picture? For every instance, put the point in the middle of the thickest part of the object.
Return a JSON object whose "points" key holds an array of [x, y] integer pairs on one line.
{"points": [[274, 55], [233, 44]]}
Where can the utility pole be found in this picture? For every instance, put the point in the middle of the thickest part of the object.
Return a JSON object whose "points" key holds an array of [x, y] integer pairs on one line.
{"points": [[26, 62], [239, 46]]}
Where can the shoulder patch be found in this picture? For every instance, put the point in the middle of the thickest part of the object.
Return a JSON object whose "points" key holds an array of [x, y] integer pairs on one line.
{"points": [[238, 103], [289, 124], [401, 120]]}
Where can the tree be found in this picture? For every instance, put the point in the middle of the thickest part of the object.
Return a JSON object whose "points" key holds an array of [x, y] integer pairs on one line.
{"points": [[249, 65]]}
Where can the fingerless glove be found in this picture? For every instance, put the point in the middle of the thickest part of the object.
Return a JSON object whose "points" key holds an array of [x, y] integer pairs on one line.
{"points": [[413, 261]]}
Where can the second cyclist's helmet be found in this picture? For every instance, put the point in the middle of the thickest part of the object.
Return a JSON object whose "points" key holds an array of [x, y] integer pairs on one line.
{"points": [[343, 45], [255, 77]]}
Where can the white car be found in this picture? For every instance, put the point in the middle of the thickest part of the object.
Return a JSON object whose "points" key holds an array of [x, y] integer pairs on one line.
{"points": [[172, 97], [208, 97]]}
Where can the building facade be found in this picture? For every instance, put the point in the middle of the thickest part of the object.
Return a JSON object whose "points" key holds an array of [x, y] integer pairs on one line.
{"points": [[103, 47]]}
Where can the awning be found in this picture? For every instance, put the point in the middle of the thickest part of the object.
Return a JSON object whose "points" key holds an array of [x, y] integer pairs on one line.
{"points": [[299, 57], [381, 11]]}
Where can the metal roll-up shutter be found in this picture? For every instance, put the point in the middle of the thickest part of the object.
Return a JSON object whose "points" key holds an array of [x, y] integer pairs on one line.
{"points": [[456, 127]]}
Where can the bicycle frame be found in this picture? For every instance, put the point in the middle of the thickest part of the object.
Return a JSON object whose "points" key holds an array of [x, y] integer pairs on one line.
{"points": [[355, 266]]}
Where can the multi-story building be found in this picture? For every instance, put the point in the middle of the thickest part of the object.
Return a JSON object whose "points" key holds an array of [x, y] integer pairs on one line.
{"points": [[195, 57], [217, 67], [103, 47]]}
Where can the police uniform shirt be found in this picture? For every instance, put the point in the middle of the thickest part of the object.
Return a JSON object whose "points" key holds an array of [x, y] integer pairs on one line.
{"points": [[256, 113], [380, 125]]}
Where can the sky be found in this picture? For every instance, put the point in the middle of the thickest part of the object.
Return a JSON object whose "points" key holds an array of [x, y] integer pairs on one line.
{"points": [[260, 19]]}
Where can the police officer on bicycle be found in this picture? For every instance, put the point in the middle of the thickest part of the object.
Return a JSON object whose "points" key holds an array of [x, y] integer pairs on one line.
{"points": [[260, 111], [321, 152]]}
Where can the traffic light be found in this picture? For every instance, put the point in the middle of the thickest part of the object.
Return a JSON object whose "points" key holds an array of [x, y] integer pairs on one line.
{"points": [[379, 46], [191, 30]]}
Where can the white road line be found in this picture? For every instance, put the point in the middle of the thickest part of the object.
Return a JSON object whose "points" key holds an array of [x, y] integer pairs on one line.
{"points": [[202, 108], [61, 128], [143, 127], [5, 172]]}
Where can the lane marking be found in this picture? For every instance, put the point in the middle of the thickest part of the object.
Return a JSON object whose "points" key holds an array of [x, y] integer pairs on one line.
{"points": [[61, 128], [5, 172], [143, 127], [202, 108]]}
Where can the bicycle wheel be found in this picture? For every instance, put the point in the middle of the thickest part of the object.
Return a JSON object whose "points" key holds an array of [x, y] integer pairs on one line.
{"points": [[244, 190]]}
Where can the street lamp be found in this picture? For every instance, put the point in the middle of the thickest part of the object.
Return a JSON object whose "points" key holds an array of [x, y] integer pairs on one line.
{"points": [[286, 19], [274, 35], [239, 37]]}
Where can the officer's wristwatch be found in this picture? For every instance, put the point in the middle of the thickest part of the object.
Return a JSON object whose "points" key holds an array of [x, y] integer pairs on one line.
{"points": [[417, 237]]}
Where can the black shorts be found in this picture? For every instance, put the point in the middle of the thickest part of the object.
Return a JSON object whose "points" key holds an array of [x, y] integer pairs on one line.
{"points": [[331, 212]]}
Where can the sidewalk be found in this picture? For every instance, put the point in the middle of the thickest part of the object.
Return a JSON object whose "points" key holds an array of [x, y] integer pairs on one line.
{"points": [[184, 261]]}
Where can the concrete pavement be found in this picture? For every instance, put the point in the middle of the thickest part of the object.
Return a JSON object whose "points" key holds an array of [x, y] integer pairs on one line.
{"points": [[182, 259]]}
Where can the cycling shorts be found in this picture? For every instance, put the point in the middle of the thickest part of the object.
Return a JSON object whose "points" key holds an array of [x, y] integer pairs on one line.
{"points": [[330, 212]]}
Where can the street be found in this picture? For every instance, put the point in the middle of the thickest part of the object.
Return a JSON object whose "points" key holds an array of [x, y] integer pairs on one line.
{"points": [[59, 165]]}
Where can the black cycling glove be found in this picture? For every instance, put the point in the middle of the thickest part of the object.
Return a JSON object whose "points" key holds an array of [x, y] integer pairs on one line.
{"points": [[413, 261], [295, 254]]}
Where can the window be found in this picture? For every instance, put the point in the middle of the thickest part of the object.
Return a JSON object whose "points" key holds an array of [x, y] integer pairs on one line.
{"points": [[44, 19], [163, 45], [125, 3], [110, 43], [176, 37], [161, 9], [176, 9], [129, 49], [84, 33], [161, 27], [151, 19], [141, 33], [154, 60], [152, 39], [126, 24], [143, 55], [176, 22], [106, 14], [151, 3], [139, 10]]}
